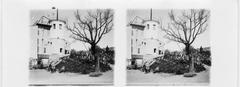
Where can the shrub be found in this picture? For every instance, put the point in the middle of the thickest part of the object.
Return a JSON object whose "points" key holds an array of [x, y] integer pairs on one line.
{"points": [[207, 62], [176, 62], [80, 62], [178, 67], [199, 67], [206, 57]]}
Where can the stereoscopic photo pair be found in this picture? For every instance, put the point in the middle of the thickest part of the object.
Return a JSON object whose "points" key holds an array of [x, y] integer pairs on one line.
{"points": [[75, 47]]}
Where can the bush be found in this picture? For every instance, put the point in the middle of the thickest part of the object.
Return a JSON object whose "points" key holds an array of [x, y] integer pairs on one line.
{"points": [[176, 62], [82, 66], [199, 67], [80, 63], [177, 67], [207, 62], [206, 57], [83, 61]]}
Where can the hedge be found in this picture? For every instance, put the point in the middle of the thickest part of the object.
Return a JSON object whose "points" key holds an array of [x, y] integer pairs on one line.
{"points": [[174, 66]]}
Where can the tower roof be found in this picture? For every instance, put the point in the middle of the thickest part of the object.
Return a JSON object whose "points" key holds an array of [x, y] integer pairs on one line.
{"points": [[44, 22], [137, 21]]}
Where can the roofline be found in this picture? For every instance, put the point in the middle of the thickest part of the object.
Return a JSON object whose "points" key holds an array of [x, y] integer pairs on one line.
{"points": [[142, 26], [46, 25]]}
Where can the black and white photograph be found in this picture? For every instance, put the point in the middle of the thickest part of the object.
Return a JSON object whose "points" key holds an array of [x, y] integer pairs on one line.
{"points": [[71, 47], [168, 47], [119, 43]]}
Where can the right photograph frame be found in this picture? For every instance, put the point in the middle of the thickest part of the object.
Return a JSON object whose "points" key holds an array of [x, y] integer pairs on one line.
{"points": [[168, 47]]}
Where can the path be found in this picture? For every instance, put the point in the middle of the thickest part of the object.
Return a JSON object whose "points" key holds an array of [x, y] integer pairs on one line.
{"points": [[45, 77], [137, 77]]}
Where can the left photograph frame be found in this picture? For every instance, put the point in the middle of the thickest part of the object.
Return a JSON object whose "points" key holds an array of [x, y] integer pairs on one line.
{"points": [[71, 47]]}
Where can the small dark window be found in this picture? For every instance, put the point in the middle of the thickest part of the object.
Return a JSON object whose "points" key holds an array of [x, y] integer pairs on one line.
{"points": [[60, 26], [42, 41], [38, 32], [54, 26], [60, 50], [159, 52], [132, 32], [65, 51], [131, 49], [147, 26], [131, 41], [154, 26], [44, 50], [37, 41], [138, 50], [154, 50]]}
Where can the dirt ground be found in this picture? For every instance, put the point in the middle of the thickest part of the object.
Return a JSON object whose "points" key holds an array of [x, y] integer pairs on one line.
{"points": [[43, 77], [136, 77]]}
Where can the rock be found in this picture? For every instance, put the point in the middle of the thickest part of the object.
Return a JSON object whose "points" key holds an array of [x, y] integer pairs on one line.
{"points": [[190, 74]]}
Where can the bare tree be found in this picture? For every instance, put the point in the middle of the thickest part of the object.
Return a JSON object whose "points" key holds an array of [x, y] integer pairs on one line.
{"points": [[186, 27], [91, 28]]}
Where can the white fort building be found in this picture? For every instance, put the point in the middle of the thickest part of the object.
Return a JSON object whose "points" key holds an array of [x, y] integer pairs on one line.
{"points": [[48, 37], [145, 40]]}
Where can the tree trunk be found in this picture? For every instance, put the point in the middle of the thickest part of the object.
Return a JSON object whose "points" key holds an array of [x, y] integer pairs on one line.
{"points": [[191, 60], [96, 59]]}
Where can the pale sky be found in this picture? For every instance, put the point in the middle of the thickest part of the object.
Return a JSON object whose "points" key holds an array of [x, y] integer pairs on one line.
{"points": [[107, 39], [202, 40]]}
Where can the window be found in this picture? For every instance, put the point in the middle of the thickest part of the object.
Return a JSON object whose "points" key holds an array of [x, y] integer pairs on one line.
{"points": [[54, 26], [60, 50], [44, 50], [60, 26], [66, 52], [154, 50], [159, 52], [147, 26], [38, 32], [42, 41], [138, 50], [154, 26], [37, 45], [37, 41], [131, 49], [132, 32], [131, 41]]}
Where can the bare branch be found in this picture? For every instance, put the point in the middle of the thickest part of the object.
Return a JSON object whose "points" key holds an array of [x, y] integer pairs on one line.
{"points": [[91, 27], [188, 26]]}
